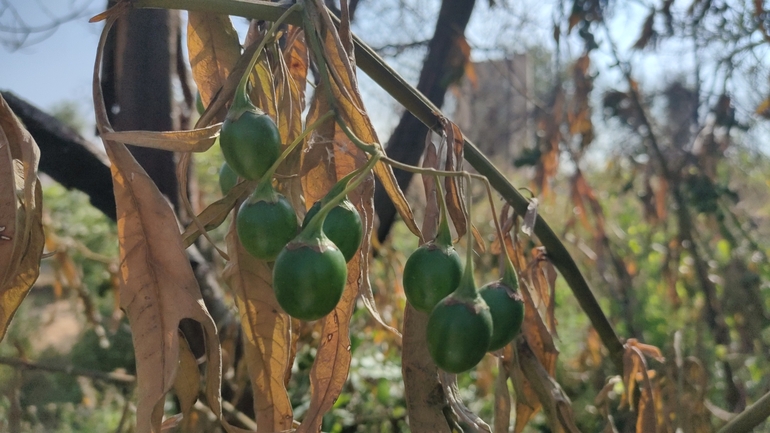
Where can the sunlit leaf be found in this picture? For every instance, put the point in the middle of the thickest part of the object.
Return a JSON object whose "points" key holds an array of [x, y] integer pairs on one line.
{"points": [[195, 140], [266, 335], [213, 49]]}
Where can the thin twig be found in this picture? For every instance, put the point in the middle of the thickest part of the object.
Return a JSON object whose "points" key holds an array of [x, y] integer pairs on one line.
{"points": [[113, 377]]}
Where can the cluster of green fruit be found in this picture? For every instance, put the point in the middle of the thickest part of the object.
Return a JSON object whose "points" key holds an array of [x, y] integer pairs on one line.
{"points": [[464, 323], [310, 270]]}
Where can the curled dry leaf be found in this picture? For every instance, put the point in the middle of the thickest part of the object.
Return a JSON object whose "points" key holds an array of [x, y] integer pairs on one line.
{"points": [[267, 334], [158, 288], [555, 403], [465, 415], [634, 371], [454, 185], [194, 140], [21, 228]]}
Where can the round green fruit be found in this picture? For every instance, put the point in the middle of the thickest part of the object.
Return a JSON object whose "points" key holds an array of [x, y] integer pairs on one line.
{"points": [[265, 226], [227, 178], [250, 144], [309, 278], [507, 309], [458, 333], [342, 226], [431, 273]]}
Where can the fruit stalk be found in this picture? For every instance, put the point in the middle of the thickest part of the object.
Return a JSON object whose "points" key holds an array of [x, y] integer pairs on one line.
{"points": [[316, 223]]}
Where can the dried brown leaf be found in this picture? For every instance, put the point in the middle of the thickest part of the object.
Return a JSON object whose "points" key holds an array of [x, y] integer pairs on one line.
{"points": [[267, 333], [318, 174], [290, 83], [262, 92], [431, 218], [187, 382], [157, 285], [349, 104], [213, 48], [194, 140], [465, 415], [502, 399], [554, 400], [455, 200], [21, 229]]}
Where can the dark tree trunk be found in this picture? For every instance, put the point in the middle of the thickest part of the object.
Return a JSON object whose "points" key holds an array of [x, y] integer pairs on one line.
{"points": [[408, 140], [139, 73]]}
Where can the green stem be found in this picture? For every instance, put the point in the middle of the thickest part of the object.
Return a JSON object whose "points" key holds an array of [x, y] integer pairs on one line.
{"points": [[316, 223], [242, 101], [443, 237], [510, 277], [268, 176], [467, 287], [340, 186]]}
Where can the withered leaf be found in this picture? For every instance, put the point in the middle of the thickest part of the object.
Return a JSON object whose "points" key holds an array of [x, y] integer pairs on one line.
{"points": [[465, 415], [21, 230], [267, 333], [455, 198], [157, 284], [554, 400], [187, 382], [318, 174], [213, 48], [194, 140]]}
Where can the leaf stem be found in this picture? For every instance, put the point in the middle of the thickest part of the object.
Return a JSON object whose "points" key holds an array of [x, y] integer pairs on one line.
{"points": [[443, 237]]}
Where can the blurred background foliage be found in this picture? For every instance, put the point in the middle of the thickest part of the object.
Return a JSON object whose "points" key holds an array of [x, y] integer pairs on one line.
{"points": [[622, 227]]}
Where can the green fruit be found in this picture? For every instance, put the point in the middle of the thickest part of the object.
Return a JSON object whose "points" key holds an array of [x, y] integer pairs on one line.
{"points": [[309, 277], [507, 310], [431, 273], [342, 226], [265, 224], [251, 144], [227, 178], [458, 333]]}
